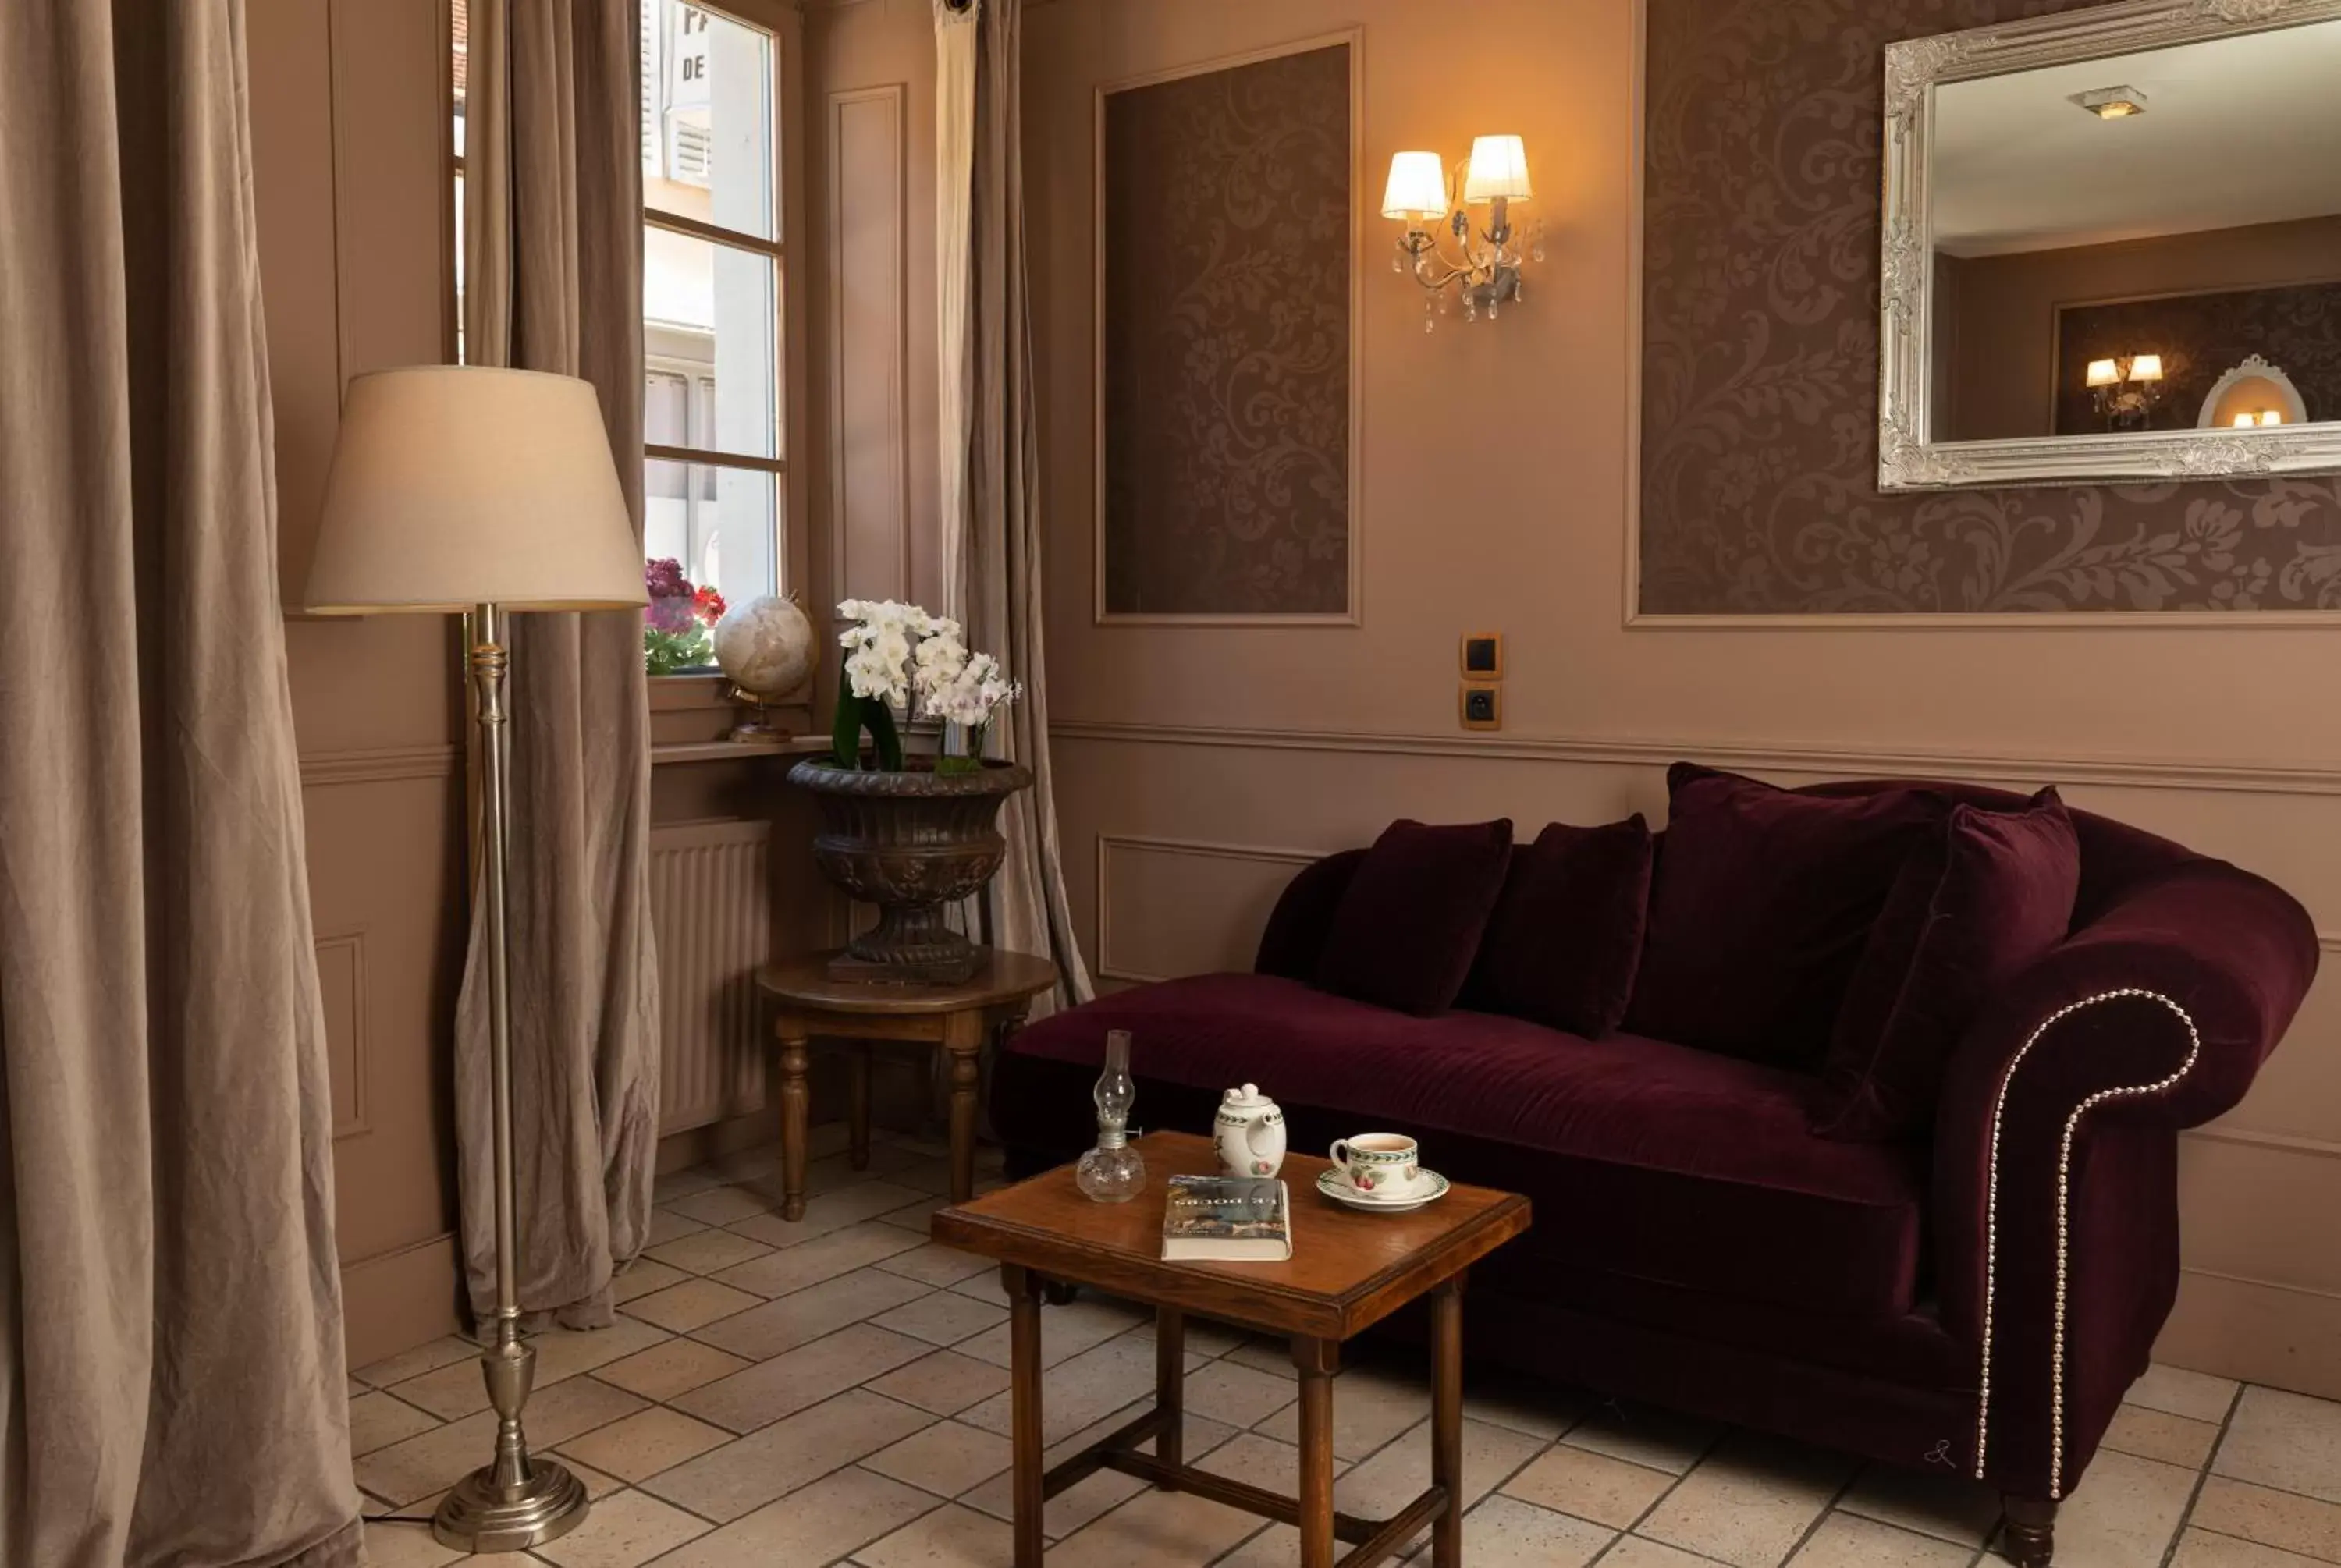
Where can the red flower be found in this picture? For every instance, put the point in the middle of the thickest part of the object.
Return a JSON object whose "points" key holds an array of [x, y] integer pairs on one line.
{"points": [[709, 603]]}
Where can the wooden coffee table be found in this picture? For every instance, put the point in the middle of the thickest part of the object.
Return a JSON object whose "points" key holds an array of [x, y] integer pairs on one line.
{"points": [[1348, 1270]]}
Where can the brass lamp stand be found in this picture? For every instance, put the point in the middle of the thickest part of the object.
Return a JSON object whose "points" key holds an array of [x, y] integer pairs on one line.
{"points": [[514, 1502], [461, 489]]}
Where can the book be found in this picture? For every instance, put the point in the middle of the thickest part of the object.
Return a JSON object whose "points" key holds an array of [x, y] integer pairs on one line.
{"points": [[1226, 1220]]}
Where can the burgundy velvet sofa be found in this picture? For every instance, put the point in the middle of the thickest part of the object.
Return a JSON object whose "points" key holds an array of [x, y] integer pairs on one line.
{"points": [[1976, 1301]]}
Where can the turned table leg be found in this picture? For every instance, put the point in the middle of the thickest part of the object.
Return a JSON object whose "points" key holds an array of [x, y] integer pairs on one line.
{"points": [[857, 1108], [1170, 1386], [1316, 1359], [794, 1106], [964, 1042], [2031, 1536], [1447, 1420], [1024, 1409]]}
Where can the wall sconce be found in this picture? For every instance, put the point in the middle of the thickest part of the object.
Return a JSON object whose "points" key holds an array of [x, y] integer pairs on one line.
{"points": [[2125, 390], [1487, 270], [2266, 416]]}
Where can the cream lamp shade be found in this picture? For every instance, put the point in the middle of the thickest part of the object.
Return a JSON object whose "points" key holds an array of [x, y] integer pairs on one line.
{"points": [[2104, 373], [1417, 188], [453, 486], [2146, 368], [1499, 167]]}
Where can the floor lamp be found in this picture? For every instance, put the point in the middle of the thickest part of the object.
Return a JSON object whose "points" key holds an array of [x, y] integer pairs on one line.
{"points": [[491, 491]]}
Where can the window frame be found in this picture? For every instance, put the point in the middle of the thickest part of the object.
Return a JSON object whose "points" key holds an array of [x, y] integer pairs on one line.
{"points": [[783, 22]]}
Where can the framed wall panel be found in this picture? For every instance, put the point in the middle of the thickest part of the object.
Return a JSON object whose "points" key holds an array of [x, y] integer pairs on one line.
{"points": [[1226, 392]]}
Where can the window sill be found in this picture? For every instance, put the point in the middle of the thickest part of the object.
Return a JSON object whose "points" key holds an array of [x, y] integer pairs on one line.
{"points": [[690, 752]]}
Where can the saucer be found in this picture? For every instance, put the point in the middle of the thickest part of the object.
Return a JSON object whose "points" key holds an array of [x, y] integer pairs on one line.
{"points": [[1428, 1187]]}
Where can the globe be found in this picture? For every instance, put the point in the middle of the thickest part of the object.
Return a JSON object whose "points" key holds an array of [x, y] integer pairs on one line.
{"points": [[767, 647]]}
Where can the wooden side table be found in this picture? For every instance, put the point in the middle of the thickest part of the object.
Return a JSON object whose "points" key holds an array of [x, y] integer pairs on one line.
{"points": [[1347, 1271], [956, 1018]]}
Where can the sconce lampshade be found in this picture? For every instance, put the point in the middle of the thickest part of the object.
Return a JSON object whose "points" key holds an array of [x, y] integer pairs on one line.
{"points": [[2103, 372], [2246, 420], [1417, 188], [453, 486], [1499, 167], [2146, 368]]}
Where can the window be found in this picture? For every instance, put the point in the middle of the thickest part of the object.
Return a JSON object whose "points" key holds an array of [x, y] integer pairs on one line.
{"points": [[713, 408]]}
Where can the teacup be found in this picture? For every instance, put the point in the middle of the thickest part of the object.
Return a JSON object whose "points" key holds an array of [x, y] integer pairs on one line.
{"points": [[1378, 1164]]}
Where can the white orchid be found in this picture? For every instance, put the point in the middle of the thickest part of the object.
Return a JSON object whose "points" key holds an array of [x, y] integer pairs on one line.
{"points": [[899, 655], [878, 647]]}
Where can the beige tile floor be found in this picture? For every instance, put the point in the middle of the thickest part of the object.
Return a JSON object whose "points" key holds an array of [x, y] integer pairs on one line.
{"points": [[834, 1392]]}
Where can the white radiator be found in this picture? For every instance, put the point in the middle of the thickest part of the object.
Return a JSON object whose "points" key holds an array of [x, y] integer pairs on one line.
{"points": [[711, 911]]}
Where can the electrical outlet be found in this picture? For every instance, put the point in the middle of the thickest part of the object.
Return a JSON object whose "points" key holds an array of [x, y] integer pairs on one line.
{"points": [[1483, 656], [1481, 707]]}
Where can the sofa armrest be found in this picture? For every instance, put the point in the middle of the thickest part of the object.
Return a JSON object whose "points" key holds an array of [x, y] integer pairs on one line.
{"points": [[1297, 926], [2054, 1195]]}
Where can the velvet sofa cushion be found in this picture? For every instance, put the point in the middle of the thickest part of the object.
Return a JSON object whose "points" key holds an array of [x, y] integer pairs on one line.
{"points": [[1565, 936], [1974, 904], [1643, 1158], [1760, 907], [1409, 923]]}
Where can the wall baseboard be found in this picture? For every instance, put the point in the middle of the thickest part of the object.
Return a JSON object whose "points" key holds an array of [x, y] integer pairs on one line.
{"points": [[397, 1300], [2248, 777], [2285, 1336]]}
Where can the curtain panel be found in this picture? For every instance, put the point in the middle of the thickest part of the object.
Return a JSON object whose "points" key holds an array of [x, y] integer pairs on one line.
{"points": [[997, 529], [553, 282], [171, 1360]]}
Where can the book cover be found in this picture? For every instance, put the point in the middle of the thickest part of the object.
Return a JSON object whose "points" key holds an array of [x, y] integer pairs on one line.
{"points": [[1226, 1220]]}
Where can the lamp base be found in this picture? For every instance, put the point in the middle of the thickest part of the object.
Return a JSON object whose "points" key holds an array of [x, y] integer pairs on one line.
{"points": [[478, 1517]]}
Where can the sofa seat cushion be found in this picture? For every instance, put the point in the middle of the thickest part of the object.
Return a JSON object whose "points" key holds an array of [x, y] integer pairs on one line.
{"points": [[1643, 1158]]}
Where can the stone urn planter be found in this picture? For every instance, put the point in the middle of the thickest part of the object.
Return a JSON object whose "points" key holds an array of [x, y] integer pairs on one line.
{"points": [[913, 843]]}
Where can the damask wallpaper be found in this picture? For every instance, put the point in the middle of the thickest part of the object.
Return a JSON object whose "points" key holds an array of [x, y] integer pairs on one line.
{"points": [[2201, 337], [1760, 390], [1226, 324]]}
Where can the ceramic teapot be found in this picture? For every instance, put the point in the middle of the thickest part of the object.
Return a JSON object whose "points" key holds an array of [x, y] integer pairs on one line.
{"points": [[1249, 1132]]}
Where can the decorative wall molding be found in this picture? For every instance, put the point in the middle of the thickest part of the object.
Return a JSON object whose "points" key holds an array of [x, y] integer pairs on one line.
{"points": [[342, 972], [2255, 777], [2273, 1143], [1107, 967], [1353, 613], [1743, 517], [386, 765]]}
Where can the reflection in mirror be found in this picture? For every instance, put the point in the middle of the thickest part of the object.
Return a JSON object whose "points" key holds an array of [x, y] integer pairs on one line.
{"points": [[2142, 241]]}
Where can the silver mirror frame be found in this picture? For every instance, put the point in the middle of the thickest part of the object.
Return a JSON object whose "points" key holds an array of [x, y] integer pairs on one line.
{"points": [[1914, 67]]}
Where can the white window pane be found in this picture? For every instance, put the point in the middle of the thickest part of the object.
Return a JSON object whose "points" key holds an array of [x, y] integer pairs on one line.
{"points": [[707, 117], [709, 315], [722, 525]]}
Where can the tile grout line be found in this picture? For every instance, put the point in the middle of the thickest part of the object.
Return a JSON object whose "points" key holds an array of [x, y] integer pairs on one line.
{"points": [[2203, 1474]]}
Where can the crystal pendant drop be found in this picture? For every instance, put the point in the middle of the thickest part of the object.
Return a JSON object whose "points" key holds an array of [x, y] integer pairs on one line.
{"points": [[1112, 1171]]}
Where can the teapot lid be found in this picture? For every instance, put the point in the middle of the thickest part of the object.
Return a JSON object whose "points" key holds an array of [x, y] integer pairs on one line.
{"points": [[1248, 1095]]}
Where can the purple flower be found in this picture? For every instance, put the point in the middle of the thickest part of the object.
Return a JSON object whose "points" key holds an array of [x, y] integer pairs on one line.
{"points": [[664, 578]]}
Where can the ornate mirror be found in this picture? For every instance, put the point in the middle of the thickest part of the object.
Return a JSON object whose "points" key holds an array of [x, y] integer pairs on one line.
{"points": [[2109, 236]]}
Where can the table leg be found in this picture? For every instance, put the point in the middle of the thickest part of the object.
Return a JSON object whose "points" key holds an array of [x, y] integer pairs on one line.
{"points": [[1171, 1384], [857, 1086], [794, 1102], [965, 1043], [1023, 1290], [1447, 1420], [1316, 1360]]}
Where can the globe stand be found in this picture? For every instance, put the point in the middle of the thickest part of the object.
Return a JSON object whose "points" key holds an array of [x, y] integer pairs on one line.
{"points": [[756, 727]]}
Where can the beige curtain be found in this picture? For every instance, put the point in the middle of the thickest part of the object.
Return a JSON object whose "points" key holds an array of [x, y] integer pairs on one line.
{"points": [[955, 47], [999, 527], [553, 282], [171, 1379]]}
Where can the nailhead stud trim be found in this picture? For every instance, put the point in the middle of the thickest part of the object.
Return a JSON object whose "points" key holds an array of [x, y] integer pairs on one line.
{"points": [[2064, 1179]]}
